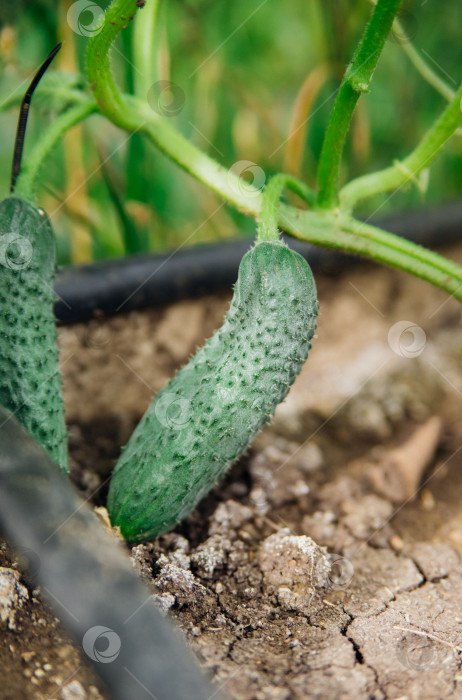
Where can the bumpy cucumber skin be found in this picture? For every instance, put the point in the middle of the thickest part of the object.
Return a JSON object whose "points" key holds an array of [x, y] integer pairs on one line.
{"points": [[30, 382], [225, 394]]}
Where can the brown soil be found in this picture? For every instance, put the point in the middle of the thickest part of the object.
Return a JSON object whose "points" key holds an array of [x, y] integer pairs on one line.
{"points": [[327, 563]]}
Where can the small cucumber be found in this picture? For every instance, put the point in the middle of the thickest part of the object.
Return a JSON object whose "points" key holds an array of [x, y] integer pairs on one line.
{"points": [[208, 414], [30, 382]]}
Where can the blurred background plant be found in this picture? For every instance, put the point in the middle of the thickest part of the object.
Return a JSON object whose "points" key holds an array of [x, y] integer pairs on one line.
{"points": [[246, 75]]}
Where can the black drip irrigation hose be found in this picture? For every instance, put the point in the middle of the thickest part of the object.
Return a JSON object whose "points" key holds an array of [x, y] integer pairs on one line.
{"points": [[88, 579], [118, 286]]}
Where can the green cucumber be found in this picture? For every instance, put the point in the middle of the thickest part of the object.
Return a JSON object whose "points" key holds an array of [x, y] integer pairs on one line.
{"points": [[30, 381], [209, 413]]}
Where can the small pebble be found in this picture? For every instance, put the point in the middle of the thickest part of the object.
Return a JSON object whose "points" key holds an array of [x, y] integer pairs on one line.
{"points": [[12, 596], [164, 601], [427, 500], [300, 488], [73, 691], [396, 543]]}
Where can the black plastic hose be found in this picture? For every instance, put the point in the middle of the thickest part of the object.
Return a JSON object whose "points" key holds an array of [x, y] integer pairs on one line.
{"points": [[88, 579], [118, 286]]}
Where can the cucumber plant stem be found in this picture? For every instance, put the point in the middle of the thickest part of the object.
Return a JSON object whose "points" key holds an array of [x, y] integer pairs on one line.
{"points": [[145, 48], [330, 228], [339, 231], [403, 171], [105, 91], [268, 220], [355, 81]]}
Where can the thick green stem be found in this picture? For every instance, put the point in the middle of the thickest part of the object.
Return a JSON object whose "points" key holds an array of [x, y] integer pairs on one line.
{"points": [[268, 219], [26, 184], [355, 81], [403, 171], [225, 182], [134, 114], [323, 228], [105, 91], [330, 229], [401, 251], [341, 232], [145, 48]]}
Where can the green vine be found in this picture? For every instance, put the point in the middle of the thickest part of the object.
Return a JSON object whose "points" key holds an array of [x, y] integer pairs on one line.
{"points": [[355, 81], [105, 91], [406, 170], [324, 224], [268, 220], [144, 49], [328, 227]]}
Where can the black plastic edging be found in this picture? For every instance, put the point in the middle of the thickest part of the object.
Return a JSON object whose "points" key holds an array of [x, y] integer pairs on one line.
{"points": [[118, 286], [88, 580]]}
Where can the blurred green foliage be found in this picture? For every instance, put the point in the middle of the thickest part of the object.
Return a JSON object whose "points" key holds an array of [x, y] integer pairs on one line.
{"points": [[239, 66]]}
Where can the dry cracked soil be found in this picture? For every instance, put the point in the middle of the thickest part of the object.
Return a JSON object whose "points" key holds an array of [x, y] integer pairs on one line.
{"points": [[327, 564]]}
